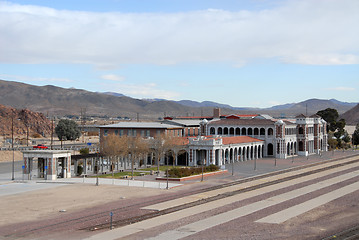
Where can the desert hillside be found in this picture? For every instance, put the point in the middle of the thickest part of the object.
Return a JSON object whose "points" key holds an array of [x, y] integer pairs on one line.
{"points": [[23, 120], [352, 116]]}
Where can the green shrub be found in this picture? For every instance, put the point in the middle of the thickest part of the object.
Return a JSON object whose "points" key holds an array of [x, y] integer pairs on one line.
{"points": [[80, 170], [185, 172], [84, 151]]}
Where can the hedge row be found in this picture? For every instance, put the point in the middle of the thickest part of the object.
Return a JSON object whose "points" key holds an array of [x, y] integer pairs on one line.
{"points": [[185, 172]]}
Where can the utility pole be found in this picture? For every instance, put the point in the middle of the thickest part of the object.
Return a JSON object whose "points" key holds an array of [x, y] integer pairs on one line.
{"points": [[83, 122], [12, 146], [52, 132]]}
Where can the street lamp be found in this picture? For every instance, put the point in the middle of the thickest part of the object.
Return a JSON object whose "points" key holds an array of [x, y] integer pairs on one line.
{"points": [[52, 133], [12, 146], [255, 159], [232, 159]]}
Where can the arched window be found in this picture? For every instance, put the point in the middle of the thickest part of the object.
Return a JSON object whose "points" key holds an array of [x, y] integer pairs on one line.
{"points": [[231, 131], [262, 132], [212, 131], [244, 131], [238, 131], [256, 131], [220, 131], [225, 132], [270, 131]]}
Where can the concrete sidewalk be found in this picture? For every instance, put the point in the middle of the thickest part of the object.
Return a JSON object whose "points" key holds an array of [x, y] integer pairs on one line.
{"points": [[117, 182]]}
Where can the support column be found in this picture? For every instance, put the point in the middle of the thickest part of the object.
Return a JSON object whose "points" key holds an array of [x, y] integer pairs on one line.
{"points": [[68, 167], [51, 169]]}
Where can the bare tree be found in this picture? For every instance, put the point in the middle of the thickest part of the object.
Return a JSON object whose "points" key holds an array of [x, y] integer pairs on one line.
{"points": [[137, 148], [114, 146], [161, 144]]}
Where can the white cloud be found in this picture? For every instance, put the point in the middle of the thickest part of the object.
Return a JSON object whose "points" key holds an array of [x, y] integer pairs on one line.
{"points": [[28, 79], [149, 90], [305, 32], [343, 89], [112, 77]]}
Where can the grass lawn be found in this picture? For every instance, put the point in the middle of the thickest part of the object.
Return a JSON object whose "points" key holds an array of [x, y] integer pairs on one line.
{"points": [[162, 168], [120, 174]]}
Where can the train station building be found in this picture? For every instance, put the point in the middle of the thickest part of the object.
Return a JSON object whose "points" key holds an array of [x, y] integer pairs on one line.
{"points": [[221, 139]]}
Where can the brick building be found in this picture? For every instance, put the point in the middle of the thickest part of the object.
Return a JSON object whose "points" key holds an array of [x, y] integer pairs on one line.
{"points": [[224, 139]]}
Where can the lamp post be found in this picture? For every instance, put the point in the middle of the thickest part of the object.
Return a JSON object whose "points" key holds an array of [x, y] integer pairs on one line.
{"points": [[255, 159], [232, 159], [52, 133], [12, 147]]}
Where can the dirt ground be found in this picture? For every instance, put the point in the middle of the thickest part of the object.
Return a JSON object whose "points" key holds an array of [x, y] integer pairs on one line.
{"points": [[6, 156], [47, 203]]}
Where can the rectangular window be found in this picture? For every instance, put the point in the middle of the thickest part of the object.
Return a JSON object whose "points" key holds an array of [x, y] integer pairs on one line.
{"points": [[158, 132], [129, 132], [116, 132], [134, 133], [105, 132], [147, 133], [121, 132], [142, 133]]}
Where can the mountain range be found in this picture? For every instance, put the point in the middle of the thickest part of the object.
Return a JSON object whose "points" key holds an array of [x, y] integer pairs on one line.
{"points": [[59, 101]]}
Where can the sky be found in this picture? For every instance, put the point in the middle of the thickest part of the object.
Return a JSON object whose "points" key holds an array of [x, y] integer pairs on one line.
{"points": [[245, 53]]}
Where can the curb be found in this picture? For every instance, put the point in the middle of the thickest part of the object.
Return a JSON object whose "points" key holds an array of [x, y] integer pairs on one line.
{"points": [[192, 177]]}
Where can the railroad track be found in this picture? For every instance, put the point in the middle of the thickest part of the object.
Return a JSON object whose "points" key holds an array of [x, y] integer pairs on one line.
{"points": [[348, 234], [91, 221]]}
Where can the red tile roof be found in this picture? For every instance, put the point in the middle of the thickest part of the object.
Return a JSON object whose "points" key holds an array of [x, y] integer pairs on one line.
{"points": [[239, 139], [251, 122]]}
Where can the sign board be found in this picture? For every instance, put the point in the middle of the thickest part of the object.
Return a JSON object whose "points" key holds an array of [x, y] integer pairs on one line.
{"points": [[46, 167], [111, 214], [23, 166], [89, 144]]}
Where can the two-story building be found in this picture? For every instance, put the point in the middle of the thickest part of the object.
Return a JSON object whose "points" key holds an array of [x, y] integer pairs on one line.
{"points": [[223, 139]]}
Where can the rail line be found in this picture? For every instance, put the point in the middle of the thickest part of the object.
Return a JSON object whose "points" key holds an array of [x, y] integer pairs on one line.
{"points": [[348, 234], [98, 221]]}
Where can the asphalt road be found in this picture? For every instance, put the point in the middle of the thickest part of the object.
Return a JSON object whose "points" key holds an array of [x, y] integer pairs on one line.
{"points": [[6, 167]]}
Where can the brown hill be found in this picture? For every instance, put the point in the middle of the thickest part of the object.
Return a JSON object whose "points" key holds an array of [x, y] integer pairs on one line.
{"points": [[61, 101], [58, 101], [352, 116], [23, 120]]}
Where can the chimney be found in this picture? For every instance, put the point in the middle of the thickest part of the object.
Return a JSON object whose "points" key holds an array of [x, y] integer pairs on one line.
{"points": [[216, 112]]}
